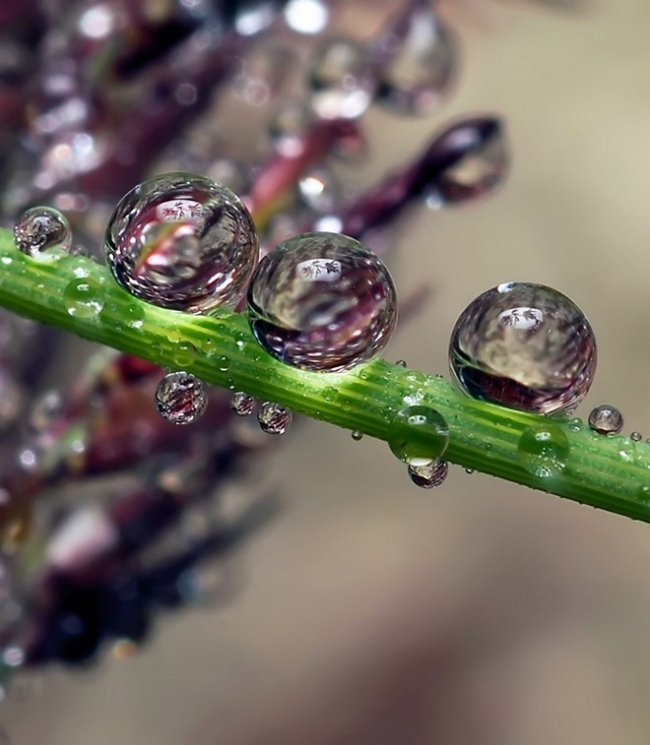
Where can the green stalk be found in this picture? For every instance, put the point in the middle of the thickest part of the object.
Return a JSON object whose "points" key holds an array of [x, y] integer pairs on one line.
{"points": [[566, 458]]}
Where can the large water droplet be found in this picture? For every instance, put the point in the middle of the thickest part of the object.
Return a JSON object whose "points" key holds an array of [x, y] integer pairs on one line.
{"points": [[525, 346], [341, 80], [418, 435], [467, 160], [322, 301], [242, 404], [181, 398], [41, 228], [606, 419], [431, 475], [83, 298], [419, 75], [273, 418], [544, 449], [182, 241]]}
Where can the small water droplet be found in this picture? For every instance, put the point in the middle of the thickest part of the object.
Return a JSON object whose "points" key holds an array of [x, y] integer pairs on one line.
{"points": [[41, 228], [181, 398], [322, 302], [418, 435], [273, 418], [356, 435], [606, 419], [83, 298], [469, 471], [184, 353], [544, 449], [636, 437], [576, 424], [430, 475], [223, 363], [525, 346], [242, 404], [182, 241], [341, 80]]}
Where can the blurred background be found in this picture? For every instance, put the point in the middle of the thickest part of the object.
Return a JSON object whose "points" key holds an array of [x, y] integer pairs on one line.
{"points": [[370, 611]]}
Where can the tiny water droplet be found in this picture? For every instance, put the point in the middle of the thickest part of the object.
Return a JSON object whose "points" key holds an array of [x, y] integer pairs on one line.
{"points": [[525, 346], [83, 298], [322, 302], [356, 435], [242, 404], [41, 228], [430, 475], [181, 398], [576, 424], [418, 435], [182, 241], [636, 437], [544, 449], [341, 80], [606, 419], [273, 418]]}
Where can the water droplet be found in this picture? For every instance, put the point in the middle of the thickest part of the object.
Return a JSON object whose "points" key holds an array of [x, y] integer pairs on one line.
{"points": [[606, 419], [242, 404], [401, 363], [544, 449], [418, 435], [341, 80], [181, 398], [636, 437], [420, 72], [356, 435], [274, 419], [322, 302], [469, 471], [182, 241], [525, 346], [575, 424], [83, 298], [430, 475], [184, 353], [223, 363], [41, 228], [466, 161], [134, 316]]}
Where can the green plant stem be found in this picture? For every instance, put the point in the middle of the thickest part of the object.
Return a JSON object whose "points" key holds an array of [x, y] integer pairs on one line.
{"points": [[612, 473]]}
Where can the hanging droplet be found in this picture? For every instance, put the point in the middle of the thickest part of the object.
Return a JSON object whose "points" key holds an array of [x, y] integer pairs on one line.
{"points": [[544, 449], [430, 475], [466, 161], [418, 435], [636, 437], [41, 228], [356, 435], [274, 419], [606, 419], [242, 404], [341, 79], [182, 241], [322, 302], [420, 72], [525, 346], [181, 398]]}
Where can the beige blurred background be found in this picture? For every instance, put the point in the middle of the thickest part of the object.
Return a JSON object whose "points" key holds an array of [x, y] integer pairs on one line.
{"points": [[375, 613]]}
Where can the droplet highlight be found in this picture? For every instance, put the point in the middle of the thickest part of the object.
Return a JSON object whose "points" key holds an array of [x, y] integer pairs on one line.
{"points": [[525, 346]]}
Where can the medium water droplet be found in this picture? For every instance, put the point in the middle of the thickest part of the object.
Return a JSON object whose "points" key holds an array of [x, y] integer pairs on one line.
{"points": [[544, 449], [430, 475], [83, 298], [322, 302], [467, 161], [341, 80], [636, 437], [274, 419], [606, 419], [418, 435], [525, 346], [420, 73], [182, 241], [242, 404], [41, 228], [356, 435], [184, 353], [181, 398]]}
